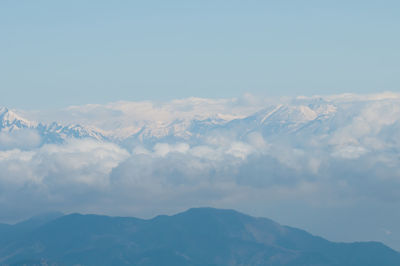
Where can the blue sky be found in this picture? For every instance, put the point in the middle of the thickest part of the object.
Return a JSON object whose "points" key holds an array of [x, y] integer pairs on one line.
{"points": [[60, 53]]}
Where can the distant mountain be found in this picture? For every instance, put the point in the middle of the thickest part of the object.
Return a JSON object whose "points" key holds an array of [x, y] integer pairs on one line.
{"points": [[10, 232], [273, 121], [202, 236], [37, 221], [10, 122], [340, 122], [58, 133]]}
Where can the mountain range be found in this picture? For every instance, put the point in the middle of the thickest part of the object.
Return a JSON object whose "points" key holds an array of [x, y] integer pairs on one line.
{"points": [[10, 122], [339, 122], [200, 236]]}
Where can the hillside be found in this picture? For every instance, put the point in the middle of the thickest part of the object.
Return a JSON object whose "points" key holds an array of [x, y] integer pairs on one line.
{"points": [[202, 236]]}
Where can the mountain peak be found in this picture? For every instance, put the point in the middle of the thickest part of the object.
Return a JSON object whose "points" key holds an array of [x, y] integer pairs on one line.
{"points": [[3, 110], [10, 121]]}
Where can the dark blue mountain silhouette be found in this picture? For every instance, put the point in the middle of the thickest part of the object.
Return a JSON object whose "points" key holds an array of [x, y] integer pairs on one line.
{"points": [[201, 236]]}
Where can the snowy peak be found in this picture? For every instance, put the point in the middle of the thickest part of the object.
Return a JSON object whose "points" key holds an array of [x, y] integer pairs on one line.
{"points": [[293, 114], [75, 131], [10, 121], [50, 133], [182, 129], [58, 133]]}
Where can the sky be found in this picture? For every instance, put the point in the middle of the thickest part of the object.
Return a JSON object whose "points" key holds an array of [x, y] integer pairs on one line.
{"points": [[60, 53]]}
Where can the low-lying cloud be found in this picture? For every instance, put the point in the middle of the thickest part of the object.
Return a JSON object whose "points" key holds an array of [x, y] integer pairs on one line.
{"points": [[20, 139], [85, 175]]}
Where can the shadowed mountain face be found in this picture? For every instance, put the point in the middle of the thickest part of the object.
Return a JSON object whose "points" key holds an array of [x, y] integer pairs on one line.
{"points": [[202, 236]]}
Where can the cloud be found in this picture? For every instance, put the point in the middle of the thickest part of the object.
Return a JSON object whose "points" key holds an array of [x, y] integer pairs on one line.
{"points": [[80, 174], [56, 176], [162, 149], [19, 139]]}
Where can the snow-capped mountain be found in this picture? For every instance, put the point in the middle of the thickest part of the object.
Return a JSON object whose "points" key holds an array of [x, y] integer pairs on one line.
{"points": [[186, 130], [272, 121], [56, 132], [287, 119], [11, 122], [337, 121]]}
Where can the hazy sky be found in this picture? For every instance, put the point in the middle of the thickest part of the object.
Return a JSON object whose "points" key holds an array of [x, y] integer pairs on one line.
{"points": [[59, 53]]}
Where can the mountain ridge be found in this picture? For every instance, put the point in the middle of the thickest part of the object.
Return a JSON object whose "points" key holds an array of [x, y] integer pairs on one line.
{"points": [[198, 236], [10, 122], [300, 120]]}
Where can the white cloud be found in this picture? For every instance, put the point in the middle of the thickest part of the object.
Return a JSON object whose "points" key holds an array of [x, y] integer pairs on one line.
{"points": [[19, 139], [162, 149], [349, 152]]}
